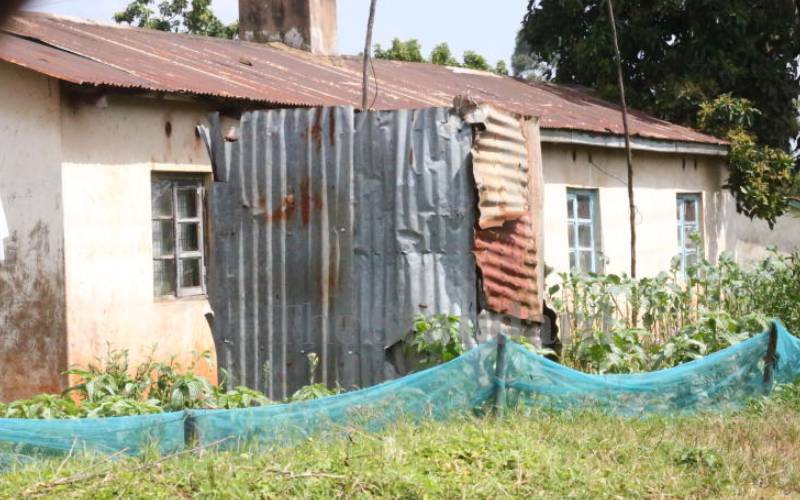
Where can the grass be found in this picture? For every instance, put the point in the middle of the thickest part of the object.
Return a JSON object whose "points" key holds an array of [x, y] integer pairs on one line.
{"points": [[755, 453]]}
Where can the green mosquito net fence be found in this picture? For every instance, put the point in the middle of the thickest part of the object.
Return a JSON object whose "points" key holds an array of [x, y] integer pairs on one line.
{"points": [[494, 375]]}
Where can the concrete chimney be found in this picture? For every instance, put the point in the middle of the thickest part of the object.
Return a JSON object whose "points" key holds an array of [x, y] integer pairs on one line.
{"points": [[302, 24]]}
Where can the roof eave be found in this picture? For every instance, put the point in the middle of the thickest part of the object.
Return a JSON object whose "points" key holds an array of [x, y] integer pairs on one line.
{"points": [[576, 137]]}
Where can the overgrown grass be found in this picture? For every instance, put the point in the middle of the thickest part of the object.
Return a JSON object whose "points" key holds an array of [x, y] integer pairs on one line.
{"points": [[755, 453]]}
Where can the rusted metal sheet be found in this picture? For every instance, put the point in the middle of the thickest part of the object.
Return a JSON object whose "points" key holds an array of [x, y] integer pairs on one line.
{"points": [[121, 57], [330, 231], [499, 163], [509, 254]]}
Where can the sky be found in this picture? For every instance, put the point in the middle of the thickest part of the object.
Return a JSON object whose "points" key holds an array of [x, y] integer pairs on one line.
{"points": [[487, 27]]}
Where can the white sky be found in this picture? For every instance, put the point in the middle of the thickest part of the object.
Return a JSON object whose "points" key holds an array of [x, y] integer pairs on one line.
{"points": [[487, 27]]}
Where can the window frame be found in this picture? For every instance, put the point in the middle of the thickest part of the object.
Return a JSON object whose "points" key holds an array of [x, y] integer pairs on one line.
{"points": [[683, 250], [593, 222], [181, 182]]}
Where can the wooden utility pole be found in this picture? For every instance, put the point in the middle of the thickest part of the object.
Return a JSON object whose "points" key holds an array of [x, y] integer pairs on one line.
{"points": [[631, 204], [367, 49]]}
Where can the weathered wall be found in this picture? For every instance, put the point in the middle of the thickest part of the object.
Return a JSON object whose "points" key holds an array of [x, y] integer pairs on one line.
{"points": [[657, 179], [302, 24], [32, 329], [111, 146], [751, 240]]}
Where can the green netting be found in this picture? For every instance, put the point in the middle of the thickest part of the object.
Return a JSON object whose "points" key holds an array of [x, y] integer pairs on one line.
{"points": [[722, 381]]}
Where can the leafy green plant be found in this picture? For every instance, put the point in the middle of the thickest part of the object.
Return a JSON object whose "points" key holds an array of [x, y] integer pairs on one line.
{"points": [[762, 179], [239, 397], [177, 390], [673, 317], [111, 377], [119, 406], [42, 406], [527, 344], [313, 390], [435, 339]]}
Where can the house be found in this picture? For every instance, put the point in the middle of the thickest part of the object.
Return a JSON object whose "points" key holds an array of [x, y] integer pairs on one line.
{"points": [[104, 173]]}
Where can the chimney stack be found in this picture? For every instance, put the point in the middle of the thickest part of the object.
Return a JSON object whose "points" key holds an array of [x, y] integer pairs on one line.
{"points": [[303, 24]]}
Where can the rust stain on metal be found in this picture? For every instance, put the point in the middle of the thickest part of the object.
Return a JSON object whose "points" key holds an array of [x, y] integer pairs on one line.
{"points": [[283, 212], [508, 260], [310, 200], [315, 132], [332, 128], [499, 163], [92, 54]]}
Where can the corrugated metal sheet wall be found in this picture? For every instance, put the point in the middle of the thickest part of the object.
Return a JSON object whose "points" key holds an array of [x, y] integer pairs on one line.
{"points": [[330, 229]]}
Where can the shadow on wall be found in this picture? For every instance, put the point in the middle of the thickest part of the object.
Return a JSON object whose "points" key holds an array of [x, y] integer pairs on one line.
{"points": [[32, 318]]}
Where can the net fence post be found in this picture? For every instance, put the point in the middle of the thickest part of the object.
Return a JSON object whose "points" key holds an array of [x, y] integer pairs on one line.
{"points": [[771, 358], [191, 437], [500, 376]]}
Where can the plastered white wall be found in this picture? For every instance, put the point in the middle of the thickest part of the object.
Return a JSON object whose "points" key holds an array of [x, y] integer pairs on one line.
{"points": [[111, 146], [32, 328], [658, 179]]}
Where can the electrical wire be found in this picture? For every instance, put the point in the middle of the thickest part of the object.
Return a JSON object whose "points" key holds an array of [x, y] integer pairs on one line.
{"points": [[595, 165]]}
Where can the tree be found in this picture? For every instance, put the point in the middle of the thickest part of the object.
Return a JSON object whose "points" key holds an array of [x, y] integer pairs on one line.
{"points": [[409, 51], [690, 62], [761, 178], [473, 60], [501, 68], [441, 55], [675, 54], [183, 16]]}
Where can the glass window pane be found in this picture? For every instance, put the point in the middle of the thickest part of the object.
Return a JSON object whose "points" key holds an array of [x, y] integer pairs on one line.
{"points": [[690, 211], [585, 236], [161, 196], [570, 207], [164, 277], [190, 273], [691, 259], [678, 207], [189, 237], [187, 203], [572, 263], [572, 235], [587, 263], [690, 234], [163, 238], [584, 210]]}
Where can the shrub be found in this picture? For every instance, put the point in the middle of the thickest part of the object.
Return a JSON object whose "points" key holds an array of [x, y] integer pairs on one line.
{"points": [[618, 324]]}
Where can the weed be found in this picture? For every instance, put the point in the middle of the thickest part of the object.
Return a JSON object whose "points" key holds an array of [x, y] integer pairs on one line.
{"points": [[435, 339]]}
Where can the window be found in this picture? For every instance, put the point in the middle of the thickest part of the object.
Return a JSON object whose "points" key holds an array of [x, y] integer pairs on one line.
{"points": [[583, 230], [689, 234], [178, 243]]}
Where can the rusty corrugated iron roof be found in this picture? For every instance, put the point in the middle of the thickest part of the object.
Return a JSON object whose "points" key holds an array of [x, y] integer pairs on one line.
{"points": [[88, 53]]}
